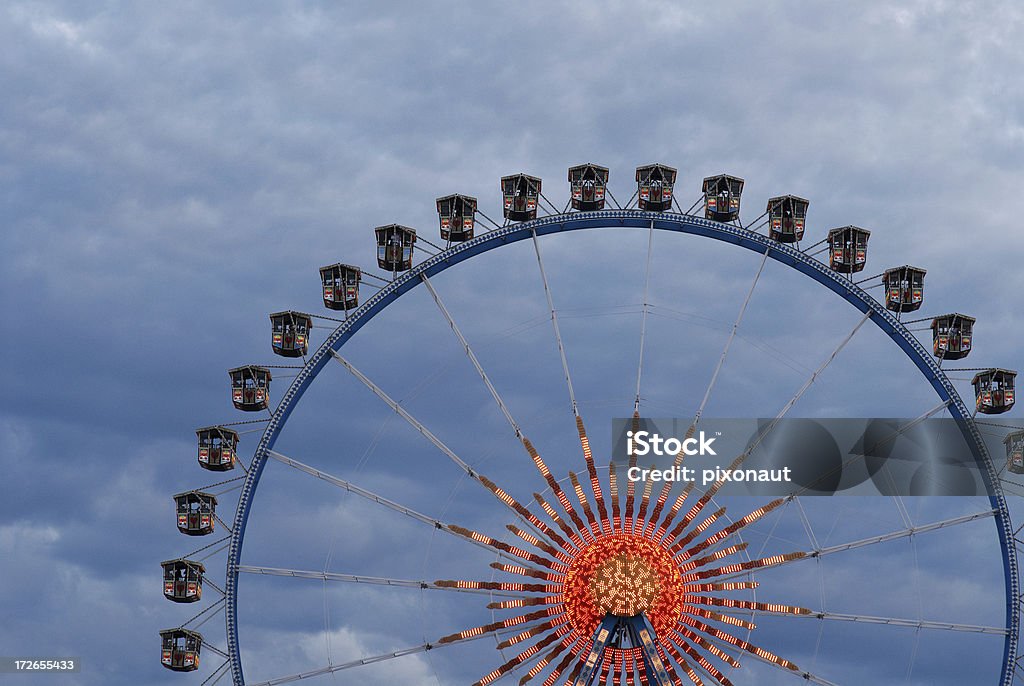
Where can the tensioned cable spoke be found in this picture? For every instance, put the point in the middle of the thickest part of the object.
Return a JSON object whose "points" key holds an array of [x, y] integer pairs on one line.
{"points": [[584, 441], [331, 669], [875, 540], [371, 580], [741, 458], [423, 430], [472, 356], [755, 228], [799, 673], [554, 322], [805, 520], [358, 490], [819, 370], [425, 250], [643, 316], [1012, 487], [226, 490], [870, 278], [868, 451], [908, 426], [222, 675], [362, 662], [479, 478], [867, 619], [903, 533], [667, 486], [404, 414], [380, 500], [728, 342]]}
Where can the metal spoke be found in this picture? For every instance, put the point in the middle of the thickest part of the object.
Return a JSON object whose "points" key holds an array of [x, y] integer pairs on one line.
{"points": [[380, 500], [404, 414], [331, 669], [521, 514], [352, 488], [858, 299], [371, 580], [728, 342], [667, 487], [805, 520], [643, 316], [867, 619], [362, 662], [874, 540], [819, 370], [800, 673], [867, 451], [554, 322], [715, 487], [472, 356]]}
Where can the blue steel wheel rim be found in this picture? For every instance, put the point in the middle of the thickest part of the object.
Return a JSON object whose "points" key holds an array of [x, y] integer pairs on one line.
{"points": [[614, 219]]}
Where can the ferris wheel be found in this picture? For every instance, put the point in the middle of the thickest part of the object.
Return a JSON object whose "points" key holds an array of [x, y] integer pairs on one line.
{"points": [[477, 507]]}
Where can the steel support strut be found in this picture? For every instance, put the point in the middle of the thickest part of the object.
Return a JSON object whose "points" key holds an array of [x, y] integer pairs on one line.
{"points": [[613, 630]]}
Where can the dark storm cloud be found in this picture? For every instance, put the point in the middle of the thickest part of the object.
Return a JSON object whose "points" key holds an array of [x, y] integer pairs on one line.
{"points": [[171, 174]]}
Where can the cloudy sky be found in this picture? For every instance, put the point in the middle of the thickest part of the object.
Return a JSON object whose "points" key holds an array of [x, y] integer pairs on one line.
{"points": [[171, 173]]}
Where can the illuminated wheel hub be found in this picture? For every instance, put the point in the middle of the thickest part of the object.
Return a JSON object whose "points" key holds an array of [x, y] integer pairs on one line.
{"points": [[625, 586], [625, 575]]}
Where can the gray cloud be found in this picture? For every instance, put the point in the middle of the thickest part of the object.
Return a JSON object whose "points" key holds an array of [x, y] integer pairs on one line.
{"points": [[169, 175]]}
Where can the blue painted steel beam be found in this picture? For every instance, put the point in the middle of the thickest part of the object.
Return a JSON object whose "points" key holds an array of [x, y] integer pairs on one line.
{"points": [[604, 634], [641, 627]]}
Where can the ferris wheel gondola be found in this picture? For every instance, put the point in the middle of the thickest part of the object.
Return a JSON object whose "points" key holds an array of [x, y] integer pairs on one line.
{"points": [[722, 197]]}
